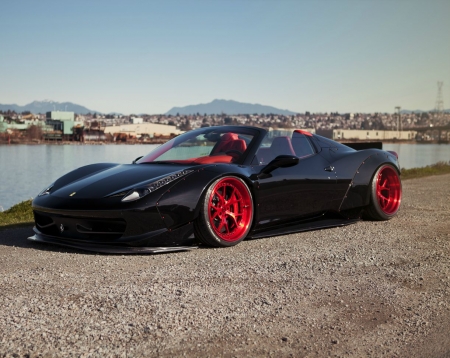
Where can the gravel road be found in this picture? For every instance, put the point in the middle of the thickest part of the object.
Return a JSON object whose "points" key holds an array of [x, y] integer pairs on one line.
{"points": [[377, 289]]}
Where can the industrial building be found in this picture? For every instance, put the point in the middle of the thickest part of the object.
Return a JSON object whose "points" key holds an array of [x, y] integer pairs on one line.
{"points": [[138, 130], [22, 126], [362, 134], [63, 124]]}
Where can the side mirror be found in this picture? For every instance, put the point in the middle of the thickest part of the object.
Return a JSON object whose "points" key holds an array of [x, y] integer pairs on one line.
{"points": [[134, 161], [282, 161]]}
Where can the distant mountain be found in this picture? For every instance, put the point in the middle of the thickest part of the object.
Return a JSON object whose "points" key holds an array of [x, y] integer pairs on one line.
{"points": [[407, 111], [219, 106], [47, 106]]}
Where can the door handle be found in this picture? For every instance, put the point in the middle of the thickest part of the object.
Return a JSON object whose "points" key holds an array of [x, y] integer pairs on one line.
{"points": [[329, 169]]}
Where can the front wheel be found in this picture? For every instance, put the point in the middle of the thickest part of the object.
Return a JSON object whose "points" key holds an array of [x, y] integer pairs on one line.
{"points": [[226, 213], [386, 194]]}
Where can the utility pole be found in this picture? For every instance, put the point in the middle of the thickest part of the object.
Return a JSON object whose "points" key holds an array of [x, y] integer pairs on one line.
{"points": [[439, 107], [398, 121]]}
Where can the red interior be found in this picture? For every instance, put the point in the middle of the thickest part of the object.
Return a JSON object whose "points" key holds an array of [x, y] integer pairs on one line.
{"points": [[229, 141]]}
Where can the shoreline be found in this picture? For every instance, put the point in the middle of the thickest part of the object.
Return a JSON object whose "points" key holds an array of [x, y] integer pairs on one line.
{"points": [[58, 143]]}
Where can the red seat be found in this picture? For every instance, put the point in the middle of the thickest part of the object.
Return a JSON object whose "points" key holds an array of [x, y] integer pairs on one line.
{"points": [[229, 141]]}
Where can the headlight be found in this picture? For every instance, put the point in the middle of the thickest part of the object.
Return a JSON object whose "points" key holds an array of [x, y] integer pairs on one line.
{"points": [[47, 190], [138, 193]]}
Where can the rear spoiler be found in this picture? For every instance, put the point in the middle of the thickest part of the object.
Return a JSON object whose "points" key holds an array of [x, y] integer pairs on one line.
{"points": [[364, 145]]}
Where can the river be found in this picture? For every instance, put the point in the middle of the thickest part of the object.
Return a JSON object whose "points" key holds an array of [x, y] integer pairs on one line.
{"points": [[26, 169]]}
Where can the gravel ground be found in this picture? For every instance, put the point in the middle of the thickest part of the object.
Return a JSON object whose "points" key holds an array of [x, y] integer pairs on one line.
{"points": [[377, 289]]}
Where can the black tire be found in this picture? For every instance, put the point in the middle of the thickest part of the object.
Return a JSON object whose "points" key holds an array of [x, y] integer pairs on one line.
{"points": [[226, 213], [385, 194]]}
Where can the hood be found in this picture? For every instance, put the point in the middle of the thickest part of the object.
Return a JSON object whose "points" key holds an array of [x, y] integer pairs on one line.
{"points": [[103, 182]]}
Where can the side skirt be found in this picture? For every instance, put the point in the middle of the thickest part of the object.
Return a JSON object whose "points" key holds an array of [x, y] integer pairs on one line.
{"points": [[304, 226]]}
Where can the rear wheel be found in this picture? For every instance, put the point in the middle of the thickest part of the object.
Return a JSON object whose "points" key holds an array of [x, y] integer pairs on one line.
{"points": [[226, 213], [386, 194]]}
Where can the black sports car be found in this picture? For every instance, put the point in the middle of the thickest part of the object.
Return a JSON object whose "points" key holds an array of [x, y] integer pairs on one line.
{"points": [[218, 186]]}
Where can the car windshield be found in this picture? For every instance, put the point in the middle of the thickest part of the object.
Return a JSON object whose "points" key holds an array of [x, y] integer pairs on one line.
{"points": [[206, 145]]}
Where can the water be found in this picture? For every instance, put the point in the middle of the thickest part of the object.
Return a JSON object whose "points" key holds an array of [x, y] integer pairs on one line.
{"points": [[419, 155], [26, 169]]}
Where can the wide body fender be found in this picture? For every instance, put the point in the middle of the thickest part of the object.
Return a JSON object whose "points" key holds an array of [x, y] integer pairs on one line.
{"points": [[359, 188]]}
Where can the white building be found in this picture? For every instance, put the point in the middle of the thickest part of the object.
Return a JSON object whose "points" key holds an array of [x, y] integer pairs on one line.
{"points": [[136, 130], [137, 120], [373, 135]]}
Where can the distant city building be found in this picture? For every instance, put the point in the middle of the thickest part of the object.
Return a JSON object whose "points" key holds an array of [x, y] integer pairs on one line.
{"points": [[137, 120], [3, 124], [63, 124], [137, 130], [360, 134], [21, 124]]}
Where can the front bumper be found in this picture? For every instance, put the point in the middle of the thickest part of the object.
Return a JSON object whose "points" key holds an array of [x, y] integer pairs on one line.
{"points": [[109, 249], [111, 231]]}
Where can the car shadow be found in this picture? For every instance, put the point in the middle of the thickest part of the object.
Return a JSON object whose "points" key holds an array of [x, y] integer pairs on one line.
{"points": [[17, 236]]}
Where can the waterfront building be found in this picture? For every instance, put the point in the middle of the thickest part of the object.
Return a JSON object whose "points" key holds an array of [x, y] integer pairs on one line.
{"points": [[62, 123], [137, 120], [363, 134], [21, 124], [145, 129]]}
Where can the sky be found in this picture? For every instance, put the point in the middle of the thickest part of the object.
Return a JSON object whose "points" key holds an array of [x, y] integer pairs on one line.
{"points": [[149, 56]]}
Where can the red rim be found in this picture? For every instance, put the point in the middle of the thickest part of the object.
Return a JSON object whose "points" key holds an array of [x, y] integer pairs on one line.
{"points": [[230, 209], [389, 192]]}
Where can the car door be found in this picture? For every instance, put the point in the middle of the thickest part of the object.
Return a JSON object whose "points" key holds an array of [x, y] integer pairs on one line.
{"points": [[301, 191]]}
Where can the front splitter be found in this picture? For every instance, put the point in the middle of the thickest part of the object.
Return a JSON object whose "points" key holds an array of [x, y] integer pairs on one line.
{"points": [[107, 248]]}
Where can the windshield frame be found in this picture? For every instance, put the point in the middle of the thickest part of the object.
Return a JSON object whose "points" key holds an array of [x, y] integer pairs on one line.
{"points": [[257, 133]]}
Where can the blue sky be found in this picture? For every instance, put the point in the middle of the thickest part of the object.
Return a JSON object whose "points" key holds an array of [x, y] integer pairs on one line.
{"points": [[149, 56]]}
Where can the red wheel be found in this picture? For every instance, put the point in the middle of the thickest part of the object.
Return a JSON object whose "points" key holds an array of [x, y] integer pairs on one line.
{"points": [[227, 213], [386, 193]]}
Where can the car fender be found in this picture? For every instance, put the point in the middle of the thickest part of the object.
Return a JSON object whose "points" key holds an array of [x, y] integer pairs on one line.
{"points": [[180, 204], [358, 192]]}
